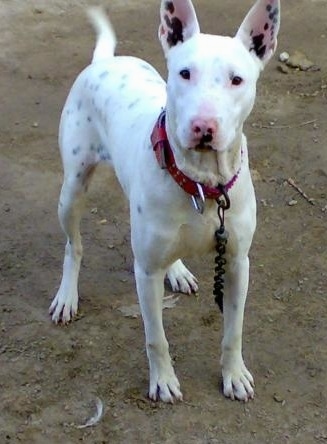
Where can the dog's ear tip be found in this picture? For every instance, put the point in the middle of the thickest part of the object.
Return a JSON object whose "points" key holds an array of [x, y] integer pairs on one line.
{"points": [[178, 22], [259, 30]]}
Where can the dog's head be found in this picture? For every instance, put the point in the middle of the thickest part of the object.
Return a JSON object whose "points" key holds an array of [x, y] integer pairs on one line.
{"points": [[212, 79]]}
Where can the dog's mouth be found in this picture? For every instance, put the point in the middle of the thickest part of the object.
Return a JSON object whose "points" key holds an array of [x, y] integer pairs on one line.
{"points": [[203, 148]]}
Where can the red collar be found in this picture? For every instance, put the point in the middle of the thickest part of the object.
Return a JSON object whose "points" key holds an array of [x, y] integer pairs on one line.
{"points": [[166, 160]]}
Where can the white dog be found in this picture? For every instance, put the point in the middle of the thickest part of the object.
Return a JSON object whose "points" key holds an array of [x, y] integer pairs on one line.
{"points": [[111, 115]]}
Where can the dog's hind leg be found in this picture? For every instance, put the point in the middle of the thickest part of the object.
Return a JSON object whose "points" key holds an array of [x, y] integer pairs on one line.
{"points": [[71, 203], [181, 279]]}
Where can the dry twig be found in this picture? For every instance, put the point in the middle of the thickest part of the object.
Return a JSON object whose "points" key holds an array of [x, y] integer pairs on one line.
{"points": [[291, 182]]}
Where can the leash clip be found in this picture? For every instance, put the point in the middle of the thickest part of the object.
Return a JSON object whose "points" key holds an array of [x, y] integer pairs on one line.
{"points": [[223, 201], [199, 200]]}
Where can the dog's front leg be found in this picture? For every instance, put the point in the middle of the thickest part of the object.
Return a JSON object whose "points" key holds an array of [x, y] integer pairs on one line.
{"points": [[237, 380], [164, 384]]}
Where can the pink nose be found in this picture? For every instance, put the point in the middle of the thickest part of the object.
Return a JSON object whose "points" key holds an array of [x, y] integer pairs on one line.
{"points": [[204, 128]]}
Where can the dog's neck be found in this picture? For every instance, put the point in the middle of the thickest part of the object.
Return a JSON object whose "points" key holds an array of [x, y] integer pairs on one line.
{"points": [[211, 167]]}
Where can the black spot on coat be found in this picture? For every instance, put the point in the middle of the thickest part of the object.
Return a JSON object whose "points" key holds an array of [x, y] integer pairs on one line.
{"points": [[131, 105], [104, 74]]}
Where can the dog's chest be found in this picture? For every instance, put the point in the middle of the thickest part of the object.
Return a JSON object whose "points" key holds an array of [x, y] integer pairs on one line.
{"points": [[197, 235]]}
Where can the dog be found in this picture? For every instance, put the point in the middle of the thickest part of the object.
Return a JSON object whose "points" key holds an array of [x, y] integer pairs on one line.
{"points": [[171, 145]]}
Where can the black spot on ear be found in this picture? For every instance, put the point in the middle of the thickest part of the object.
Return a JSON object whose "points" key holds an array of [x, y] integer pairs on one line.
{"points": [[176, 34], [273, 14], [269, 8], [266, 27], [169, 6], [258, 47]]}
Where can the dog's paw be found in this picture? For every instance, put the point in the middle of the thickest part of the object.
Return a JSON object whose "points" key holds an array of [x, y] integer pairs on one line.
{"points": [[238, 383], [63, 308], [181, 279], [165, 388]]}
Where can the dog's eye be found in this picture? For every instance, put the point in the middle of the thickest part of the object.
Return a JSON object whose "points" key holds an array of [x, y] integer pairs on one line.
{"points": [[236, 80], [185, 74]]}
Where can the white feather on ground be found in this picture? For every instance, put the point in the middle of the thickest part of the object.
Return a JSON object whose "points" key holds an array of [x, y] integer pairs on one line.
{"points": [[94, 419]]}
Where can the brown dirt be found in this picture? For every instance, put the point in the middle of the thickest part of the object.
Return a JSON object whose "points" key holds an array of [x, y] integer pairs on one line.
{"points": [[50, 375]]}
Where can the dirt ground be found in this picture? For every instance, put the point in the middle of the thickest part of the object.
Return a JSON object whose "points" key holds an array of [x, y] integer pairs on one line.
{"points": [[50, 376]]}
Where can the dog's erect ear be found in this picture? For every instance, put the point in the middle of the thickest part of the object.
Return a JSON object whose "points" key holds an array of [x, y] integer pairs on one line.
{"points": [[178, 23], [259, 29]]}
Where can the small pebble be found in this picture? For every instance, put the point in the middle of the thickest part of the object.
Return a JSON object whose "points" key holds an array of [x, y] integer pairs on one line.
{"points": [[279, 399], [35, 125], [292, 202], [283, 69], [284, 56], [300, 61]]}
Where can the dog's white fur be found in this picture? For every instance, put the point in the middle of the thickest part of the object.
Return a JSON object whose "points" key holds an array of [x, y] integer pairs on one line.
{"points": [[108, 117]]}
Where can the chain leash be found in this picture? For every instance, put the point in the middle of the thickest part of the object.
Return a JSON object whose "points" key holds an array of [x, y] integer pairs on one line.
{"points": [[221, 237]]}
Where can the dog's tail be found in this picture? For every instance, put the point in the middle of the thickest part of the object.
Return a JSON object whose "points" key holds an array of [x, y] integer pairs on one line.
{"points": [[106, 38]]}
